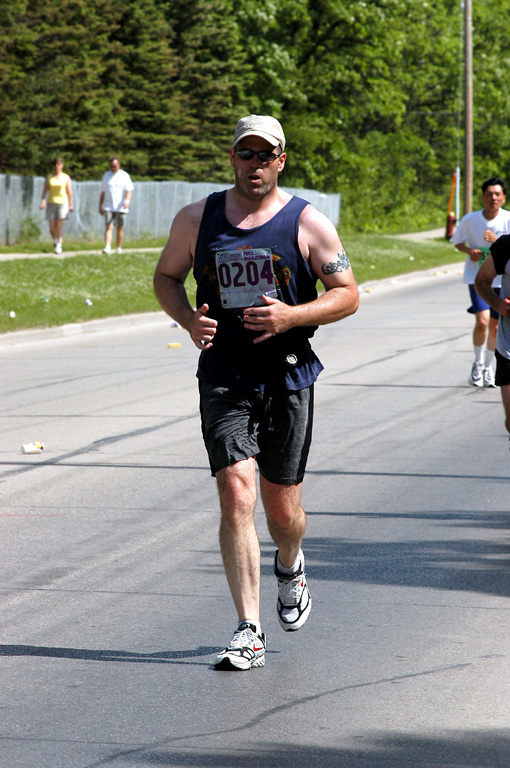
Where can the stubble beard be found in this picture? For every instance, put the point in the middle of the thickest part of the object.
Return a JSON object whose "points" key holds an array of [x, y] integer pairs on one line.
{"points": [[254, 193]]}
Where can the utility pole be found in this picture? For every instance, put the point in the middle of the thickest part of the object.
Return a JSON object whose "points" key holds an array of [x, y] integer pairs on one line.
{"points": [[468, 108]]}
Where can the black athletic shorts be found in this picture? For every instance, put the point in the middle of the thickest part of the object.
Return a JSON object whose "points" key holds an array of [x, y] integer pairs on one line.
{"points": [[273, 427], [502, 370]]}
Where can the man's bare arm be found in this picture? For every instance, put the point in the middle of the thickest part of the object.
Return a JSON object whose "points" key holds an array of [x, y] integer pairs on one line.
{"points": [[173, 267], [474, 254]]}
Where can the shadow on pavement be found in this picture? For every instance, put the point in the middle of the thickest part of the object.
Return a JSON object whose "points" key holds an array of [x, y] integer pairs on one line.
{"points": [[467, 564], [162, 657], [466, 749]]}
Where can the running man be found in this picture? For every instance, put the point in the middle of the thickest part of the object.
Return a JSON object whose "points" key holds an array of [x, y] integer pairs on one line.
{"points": [[474, 236], [256, 253]]}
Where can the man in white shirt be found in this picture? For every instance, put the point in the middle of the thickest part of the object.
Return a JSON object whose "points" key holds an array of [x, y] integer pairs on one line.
{"points": [[474, 236], [116, 189]]}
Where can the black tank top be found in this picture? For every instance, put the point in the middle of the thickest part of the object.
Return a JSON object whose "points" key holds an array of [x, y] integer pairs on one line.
{"points": [[286, 360]]}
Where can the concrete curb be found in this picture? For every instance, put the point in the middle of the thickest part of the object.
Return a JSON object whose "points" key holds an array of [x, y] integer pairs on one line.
{"points": [[102, 325]]}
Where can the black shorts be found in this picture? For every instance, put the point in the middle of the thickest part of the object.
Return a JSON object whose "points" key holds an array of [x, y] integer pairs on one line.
{"points": [[502, 370], [273, 427]]}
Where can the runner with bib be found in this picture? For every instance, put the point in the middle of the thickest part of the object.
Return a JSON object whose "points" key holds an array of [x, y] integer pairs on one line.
{"points": [[256, 253]]}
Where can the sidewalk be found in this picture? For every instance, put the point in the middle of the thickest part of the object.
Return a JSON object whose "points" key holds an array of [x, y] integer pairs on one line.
{"points": [[428, 235]]}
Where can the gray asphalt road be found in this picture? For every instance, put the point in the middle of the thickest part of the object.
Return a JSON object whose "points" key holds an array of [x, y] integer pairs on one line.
{"points": [[114, 596]]}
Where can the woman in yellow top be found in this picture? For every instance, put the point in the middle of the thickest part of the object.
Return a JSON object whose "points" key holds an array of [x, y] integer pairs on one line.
{"points": [[60, 201]]}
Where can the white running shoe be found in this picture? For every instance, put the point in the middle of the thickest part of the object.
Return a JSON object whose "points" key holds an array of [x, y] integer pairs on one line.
{"points": [[246, 649], [476, 376], [294, 599], [488, 377], [58, 248], [107, 249], [119, 250]]}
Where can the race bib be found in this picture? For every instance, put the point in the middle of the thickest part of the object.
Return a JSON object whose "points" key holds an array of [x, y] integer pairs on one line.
{"points": [[244, 276]]}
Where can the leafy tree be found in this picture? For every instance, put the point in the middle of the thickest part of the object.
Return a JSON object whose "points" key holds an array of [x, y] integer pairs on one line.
{"points": [[140, 65], [362, 104], [491, 95], [12, 144]]}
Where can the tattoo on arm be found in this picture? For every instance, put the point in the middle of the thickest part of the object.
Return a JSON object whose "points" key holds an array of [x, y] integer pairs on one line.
{"points": [[340, 265]]}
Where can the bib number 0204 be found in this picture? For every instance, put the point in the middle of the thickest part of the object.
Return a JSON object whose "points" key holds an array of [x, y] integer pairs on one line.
{"points": [[244, 276]]}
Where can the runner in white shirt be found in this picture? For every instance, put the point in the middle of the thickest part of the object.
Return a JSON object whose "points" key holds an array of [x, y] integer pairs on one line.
{"points": [[116, 189], [474, 236]]}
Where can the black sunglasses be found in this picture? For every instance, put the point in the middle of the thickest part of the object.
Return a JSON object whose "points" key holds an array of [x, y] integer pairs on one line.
{"points": [[265, 156]]}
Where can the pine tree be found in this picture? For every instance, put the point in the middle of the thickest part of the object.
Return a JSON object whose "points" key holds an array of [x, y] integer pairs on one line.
{"points": [[140, 64], [213, 76], [61, 104]]}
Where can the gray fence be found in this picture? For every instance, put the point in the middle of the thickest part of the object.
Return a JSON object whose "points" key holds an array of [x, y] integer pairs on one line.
{"points": [[153, 206]]}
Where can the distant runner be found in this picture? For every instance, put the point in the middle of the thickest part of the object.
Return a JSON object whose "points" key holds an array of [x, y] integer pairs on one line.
{"points": [[473, 237]]}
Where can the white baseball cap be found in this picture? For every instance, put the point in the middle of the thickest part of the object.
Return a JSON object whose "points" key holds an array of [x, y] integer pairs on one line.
{"points": [[265, 126]]}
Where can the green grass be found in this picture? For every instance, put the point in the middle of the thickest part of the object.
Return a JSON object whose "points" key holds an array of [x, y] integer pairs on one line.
{"points": [[46, 292], [374, 257]]}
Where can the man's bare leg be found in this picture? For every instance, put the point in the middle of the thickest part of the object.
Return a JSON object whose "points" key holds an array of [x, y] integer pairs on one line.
{"points": [[239, 542], [108, 234], [286, 519], [505, 396], [480, 331]]}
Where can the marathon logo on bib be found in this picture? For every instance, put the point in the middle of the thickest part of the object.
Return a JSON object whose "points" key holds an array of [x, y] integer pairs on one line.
{"points": [[244, 276]]}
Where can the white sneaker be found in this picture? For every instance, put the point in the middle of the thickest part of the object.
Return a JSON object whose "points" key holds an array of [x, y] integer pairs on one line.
{"points": [[119, 250], [294, 599], [476, 376], [107, 249], [246, 649], [488, 377], [58, 247]]}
